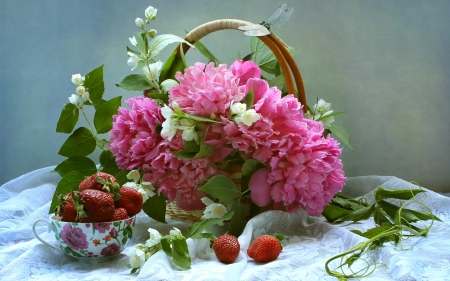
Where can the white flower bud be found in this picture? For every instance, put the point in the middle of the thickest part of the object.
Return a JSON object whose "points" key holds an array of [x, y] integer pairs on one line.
{"points": [[150, 13], [139, 22], [74, 99], [152, 33], [238, 108], [132, 40]]}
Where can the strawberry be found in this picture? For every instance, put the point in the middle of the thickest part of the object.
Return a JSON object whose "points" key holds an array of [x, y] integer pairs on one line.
{"points": [[98, 206], [119, 214], [97, 181], [227, 248], [131, 200], [67, 210], [265, 248]]}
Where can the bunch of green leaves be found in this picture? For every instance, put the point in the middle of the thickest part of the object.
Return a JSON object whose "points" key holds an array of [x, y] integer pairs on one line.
{"points": [[393, 223]]}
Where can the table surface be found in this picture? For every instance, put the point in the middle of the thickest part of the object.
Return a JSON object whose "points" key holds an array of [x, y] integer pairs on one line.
{"points": [[309, 243]]}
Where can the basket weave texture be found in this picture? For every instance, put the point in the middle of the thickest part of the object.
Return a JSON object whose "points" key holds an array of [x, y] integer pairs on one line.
{"points": [[290, 71]]}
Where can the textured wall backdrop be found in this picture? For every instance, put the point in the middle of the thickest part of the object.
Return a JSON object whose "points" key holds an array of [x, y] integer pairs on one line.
{"points": [[384, 62]]}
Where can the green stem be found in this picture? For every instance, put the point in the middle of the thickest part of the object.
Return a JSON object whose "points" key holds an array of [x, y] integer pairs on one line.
{"points": [[360, 247], [94, 133]]}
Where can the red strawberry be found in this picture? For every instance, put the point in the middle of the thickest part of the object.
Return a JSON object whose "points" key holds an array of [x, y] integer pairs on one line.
{"points": [[131, 200], [119, 214], [265, 248], [67, 210], [227, 248], [97, 181], [98, 206]]}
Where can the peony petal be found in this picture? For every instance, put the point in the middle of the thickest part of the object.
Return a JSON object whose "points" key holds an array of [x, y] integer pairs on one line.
{"points": [[260, 188]]}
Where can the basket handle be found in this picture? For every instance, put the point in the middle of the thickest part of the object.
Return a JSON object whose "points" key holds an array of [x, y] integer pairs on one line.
{"points": [[282, 54]]}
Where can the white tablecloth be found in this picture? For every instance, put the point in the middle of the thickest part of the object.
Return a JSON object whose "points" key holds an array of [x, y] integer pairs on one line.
{"points": [[309, 243]]}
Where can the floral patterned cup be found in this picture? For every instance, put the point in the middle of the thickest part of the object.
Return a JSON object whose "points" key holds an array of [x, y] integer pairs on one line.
{"points": [[89, 240]]}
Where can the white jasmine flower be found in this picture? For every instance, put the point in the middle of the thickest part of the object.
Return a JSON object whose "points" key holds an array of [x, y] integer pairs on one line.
{"points": [[75, 100], [150, 13], [131, 184], [152, 71], [134, 175], [85, 97], [321, 110], [152, 33], [155, 238], [137, 257], [175, 232], [81, 90], [188, 127], [77, 79], [139, 23], [248, 117], [169, 128], [166, 112], [149, 189], [133, 60], [213, 210], [238, 108], [132, 40]]}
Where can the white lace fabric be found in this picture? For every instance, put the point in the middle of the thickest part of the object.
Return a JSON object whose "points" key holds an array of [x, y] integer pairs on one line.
{"points": [[309, 242]]}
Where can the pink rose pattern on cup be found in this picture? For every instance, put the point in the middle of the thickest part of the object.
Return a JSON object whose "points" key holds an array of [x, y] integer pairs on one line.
{"points": [[93, 240]]}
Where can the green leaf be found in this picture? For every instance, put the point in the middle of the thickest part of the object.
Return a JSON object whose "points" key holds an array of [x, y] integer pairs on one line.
{"points": [[121, 177], [180, 253], [80, 143], [173, 64], [69, 182], [249, 99], [155, 207], [81, 164], [108, 162], [160, 42], [278, 81], [205, 52], [134, 82], [222, 188], [141, 42], [196, 230], [330, 115], [359, 214], [406, 194], [68, 119], [104, 114], [341, 134], [94, 84], [237, 222], [345, 203], [165, 245], [192, 150], [372, 232], [256, 46], [406, 214], [332, 212]]}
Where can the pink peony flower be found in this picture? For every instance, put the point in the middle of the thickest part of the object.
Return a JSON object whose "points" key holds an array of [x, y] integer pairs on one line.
{"points": [[206, 90], [245, 70], [134, 139]]}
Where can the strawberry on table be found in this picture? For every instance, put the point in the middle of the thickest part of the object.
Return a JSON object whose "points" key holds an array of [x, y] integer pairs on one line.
{"points": [[131, 200], [98, 206], [265, 248], [227, 248]]}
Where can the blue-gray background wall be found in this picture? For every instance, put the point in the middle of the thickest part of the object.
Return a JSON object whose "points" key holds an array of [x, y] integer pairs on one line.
{"points": [[386, 63]]}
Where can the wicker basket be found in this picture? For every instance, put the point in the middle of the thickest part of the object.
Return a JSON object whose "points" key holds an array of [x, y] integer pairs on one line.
{"points": [[290, 71]]}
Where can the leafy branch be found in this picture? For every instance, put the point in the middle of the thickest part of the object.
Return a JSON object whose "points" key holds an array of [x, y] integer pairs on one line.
{"points": [[393, 224]]}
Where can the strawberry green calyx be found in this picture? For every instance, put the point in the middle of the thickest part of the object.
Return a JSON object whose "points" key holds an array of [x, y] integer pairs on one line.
{"points": [[110, 186], [79, 207]]}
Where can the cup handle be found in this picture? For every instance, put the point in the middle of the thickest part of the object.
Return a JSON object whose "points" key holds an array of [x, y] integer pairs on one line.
{"points": [[49, 225]]}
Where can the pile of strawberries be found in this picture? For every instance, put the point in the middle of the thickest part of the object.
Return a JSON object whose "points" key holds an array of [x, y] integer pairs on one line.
{"points": [[99, 199], [265, 248]]}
